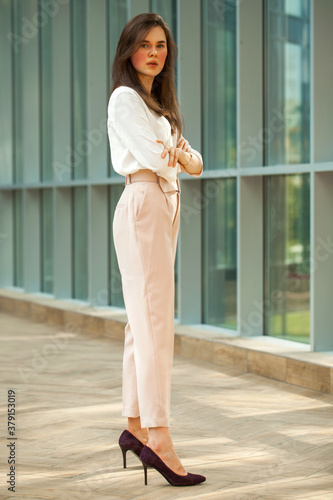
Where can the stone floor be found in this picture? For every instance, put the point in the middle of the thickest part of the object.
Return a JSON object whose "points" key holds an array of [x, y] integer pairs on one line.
{"points": [[254, 438]]}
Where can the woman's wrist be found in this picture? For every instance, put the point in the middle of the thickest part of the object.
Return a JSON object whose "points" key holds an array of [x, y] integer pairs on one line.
{"points": [[186, 164], [194, 166]]}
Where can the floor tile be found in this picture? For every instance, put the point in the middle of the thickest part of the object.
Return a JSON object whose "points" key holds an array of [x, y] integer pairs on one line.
{"points": [[254, 438]]}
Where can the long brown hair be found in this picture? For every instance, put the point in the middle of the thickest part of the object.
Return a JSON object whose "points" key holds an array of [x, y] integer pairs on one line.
{"points": [[163, 98]]}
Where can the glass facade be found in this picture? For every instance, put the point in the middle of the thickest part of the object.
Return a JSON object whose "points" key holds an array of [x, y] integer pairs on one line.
{"points": [[220, 253], [219, 84], [287, 63], [46, 97], [117, 16], [47, 241], [18, 279], [287, 257], [80, 243], [80, 145], [17, 101], [255, 78], [168, 10], [219, 225], [287, 198], [115, 288]]}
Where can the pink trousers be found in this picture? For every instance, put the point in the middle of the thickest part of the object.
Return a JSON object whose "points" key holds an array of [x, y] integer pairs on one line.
{"points": [[145, 232]]}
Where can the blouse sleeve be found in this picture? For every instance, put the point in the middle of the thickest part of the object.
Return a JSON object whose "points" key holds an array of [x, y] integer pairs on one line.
{"points": [[129, 119]]}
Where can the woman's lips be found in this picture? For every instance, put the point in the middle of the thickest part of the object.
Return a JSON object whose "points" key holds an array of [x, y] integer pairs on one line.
{"points": [[152, 64]]}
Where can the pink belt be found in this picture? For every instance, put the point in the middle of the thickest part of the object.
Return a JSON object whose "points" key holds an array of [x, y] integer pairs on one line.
{"points": [[146, 175], [142, 175]]}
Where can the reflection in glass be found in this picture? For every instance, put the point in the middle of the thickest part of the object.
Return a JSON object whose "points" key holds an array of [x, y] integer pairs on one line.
{"points": [[18, 238], [80, 143], [219, 83], [80, 243], [47, 240], [46, 79], [287, 257], [168, 10], [219, 253], [17, 93], [287, 87], [115, 287], [118, 15]]}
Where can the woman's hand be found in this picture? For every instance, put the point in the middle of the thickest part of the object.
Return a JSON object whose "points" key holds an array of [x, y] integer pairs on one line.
{"points": [[184, 145], [178, 154], [173, 154], [182, 154]]}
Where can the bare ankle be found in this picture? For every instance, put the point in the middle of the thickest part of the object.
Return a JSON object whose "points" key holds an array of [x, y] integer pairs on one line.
{"points": [[134, 423], [134, 427], [159, 438]]}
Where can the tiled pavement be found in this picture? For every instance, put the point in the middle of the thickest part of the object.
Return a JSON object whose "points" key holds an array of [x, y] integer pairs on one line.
{"points": [[254, 438]]}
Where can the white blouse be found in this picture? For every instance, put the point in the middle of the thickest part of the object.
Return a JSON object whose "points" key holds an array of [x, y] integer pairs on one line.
{"points": [[133, 130]]}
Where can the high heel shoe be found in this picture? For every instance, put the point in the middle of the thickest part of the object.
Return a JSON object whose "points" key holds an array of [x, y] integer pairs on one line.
{"points": [[129, 442], [149, 459]]}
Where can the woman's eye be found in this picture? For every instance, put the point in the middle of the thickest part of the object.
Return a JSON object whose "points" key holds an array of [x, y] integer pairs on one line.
{"points": [[159, 46]]}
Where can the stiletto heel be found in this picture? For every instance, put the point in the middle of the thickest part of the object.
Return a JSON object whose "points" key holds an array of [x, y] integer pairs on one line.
{"points": [[124, 450], [149, 459], [146, 476], [129, 442]]}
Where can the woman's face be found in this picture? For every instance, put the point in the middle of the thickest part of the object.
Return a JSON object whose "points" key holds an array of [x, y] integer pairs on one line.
{"points": [[150, 58]]}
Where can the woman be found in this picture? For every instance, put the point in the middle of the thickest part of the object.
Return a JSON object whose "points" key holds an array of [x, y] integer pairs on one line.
{"points": [[147, 147]]}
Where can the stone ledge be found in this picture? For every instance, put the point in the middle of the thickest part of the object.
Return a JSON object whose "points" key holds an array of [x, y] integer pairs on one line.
{"points": [[288, 362]]}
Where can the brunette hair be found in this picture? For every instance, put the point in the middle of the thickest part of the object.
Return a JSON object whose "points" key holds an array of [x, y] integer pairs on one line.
{"points": [[163, 98]]}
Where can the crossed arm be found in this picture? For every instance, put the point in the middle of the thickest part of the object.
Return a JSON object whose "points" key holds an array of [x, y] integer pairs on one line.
{"points": [[182, 154], [138, 136]]}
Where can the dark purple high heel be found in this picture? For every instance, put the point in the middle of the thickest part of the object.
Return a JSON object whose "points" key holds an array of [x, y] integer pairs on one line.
{"points": [[129, 442], [150, 459]]}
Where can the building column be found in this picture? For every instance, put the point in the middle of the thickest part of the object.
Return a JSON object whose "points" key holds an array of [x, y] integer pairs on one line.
{"points": [[6, 238], [31, 241], [63, 243], [189, 94], [321, 264], [136, 7], [250, 125]]}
